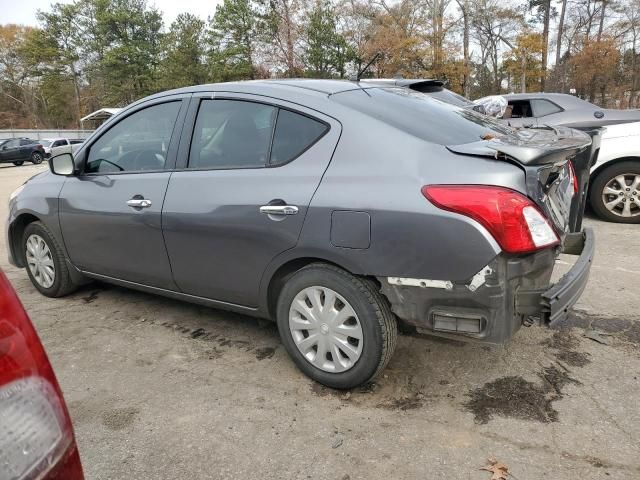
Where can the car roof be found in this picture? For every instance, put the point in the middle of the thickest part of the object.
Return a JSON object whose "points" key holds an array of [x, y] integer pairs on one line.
{"points": [[327, 87]]}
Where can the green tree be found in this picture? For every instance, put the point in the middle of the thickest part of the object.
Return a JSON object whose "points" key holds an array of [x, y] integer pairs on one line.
{"points": [[184, 53], [129, 49], [232, 39], [326, 51]]}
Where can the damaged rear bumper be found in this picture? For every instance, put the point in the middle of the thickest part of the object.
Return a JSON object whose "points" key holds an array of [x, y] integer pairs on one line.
{"points": [[552, 305], [491, 306]]}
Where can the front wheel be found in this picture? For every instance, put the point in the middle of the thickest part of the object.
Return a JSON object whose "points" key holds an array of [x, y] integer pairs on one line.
{"points": [[19, 163], [338, 328], [615, 193], [45, 261], [36, 158]]}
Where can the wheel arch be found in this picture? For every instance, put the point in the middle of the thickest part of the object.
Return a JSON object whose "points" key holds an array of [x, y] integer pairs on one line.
{"points": [[16, 231], [276, 275], [611, 163]]}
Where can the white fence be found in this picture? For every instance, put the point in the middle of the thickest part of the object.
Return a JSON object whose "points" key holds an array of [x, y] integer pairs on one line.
{"points": [[40, 134]]}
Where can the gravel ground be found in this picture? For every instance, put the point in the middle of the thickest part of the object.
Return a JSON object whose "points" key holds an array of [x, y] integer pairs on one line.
{"points": [[160, 389]]}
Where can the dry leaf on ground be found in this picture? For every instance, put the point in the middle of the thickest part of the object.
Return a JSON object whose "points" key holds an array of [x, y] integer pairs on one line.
{"points": [[499, 470]]}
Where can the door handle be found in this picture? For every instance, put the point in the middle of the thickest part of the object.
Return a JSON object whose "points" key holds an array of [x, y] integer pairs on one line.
{"points": [[139, 203], [279, 209]]}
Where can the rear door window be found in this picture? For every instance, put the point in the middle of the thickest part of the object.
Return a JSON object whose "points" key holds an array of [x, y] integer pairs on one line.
{"points": [[294, 134], [544, 107], [232, 134]]}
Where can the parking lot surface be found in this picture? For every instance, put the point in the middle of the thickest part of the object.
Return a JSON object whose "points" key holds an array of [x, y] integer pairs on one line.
{"points": [[160, 389]]}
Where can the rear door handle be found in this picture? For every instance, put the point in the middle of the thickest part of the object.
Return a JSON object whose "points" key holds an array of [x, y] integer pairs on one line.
{"points": [[279, 209], [139, 203]]}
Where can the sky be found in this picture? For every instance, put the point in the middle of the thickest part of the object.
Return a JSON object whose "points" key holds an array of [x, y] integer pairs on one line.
{"points": [[24, 11]]}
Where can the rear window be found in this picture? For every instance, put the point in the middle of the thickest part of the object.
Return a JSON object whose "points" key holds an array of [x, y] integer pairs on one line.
{"points": [[422, 116], [448, 96]]}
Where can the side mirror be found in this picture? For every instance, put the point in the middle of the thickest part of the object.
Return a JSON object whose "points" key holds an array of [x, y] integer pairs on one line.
{"points": [[62, 164]]}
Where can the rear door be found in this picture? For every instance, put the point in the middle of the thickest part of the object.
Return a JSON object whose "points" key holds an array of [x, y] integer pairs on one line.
{"points": [[249, 169], [110, 214]]}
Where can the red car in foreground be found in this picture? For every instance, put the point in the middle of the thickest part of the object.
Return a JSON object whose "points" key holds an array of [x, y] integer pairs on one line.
{"points": [[36, 436]]}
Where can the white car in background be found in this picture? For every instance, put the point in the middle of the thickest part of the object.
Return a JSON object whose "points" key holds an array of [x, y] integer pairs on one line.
{"points": [[614, 193], [56, 146]]}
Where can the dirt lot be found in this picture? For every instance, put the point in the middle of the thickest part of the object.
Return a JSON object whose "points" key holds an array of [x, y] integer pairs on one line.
{"points": [[160, 389]]}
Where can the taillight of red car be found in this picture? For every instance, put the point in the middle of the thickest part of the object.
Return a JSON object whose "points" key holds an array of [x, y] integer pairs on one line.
{"points": [[515, 222], [36, 436]]}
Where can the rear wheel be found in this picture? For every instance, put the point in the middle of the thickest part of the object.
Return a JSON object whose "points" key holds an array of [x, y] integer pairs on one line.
{"points": [[19, 163], [45, 261], [337, 328], [615, 193], [36, 158]]}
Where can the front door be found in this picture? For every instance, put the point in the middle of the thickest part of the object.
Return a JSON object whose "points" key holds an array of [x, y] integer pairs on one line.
{"points": [[110, 214], [251, 169], [10, 151]]}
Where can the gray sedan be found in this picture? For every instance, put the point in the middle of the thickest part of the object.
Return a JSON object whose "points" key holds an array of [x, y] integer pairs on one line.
{"points": [[326, 206]]}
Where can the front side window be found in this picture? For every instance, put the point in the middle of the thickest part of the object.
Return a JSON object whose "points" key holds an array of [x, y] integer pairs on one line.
{"points": [[137, 143], [544, 107], [520, 109], [294, 134], [232, 134]]}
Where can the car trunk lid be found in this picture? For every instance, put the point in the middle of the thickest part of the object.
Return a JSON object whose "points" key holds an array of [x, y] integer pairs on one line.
{"points": [[544, 155]]}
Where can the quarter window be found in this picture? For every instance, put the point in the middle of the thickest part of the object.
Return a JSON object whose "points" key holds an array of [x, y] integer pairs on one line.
{"points": [[232, 134], [137, 143], [544, 107], [294, 134]]}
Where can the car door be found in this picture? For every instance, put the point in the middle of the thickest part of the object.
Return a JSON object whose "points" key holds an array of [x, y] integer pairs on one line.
{"points": [[546, 111], [110, 213], [58, 147], [520, 114], [10, 151], [249, 170]]}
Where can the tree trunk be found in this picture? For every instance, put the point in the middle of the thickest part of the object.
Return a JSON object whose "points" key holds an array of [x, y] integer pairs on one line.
{"points": [[465, 48], [545, 43], [559, 43], [602, 14], [523, 73]]}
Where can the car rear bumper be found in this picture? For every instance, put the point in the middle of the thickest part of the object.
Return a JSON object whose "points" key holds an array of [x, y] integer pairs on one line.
{"points": [[491, 306], [552, 305]]}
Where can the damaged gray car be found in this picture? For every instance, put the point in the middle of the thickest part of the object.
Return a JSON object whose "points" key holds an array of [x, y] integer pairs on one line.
{"points": [[335, 208]]}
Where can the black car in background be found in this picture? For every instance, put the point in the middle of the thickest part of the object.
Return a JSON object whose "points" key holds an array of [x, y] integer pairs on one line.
{"points": [[20, 150]]}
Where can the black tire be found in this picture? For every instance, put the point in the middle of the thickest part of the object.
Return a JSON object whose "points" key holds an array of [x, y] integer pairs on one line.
{"points": [[18, 163], [37, 158], [378, 323], [597, 189], [62, 284]]}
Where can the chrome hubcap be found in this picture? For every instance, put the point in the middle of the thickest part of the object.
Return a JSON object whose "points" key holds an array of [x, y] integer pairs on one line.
{"points": [[326, 329], [40, 261], [621, 195]]}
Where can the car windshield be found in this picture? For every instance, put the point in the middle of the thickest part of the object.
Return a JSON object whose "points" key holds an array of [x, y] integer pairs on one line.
{"points": [[423, 116], [46, 143]]}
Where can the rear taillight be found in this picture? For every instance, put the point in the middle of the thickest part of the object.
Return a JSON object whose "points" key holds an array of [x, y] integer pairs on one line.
{"points": [[514, 221], [574, 178], [39, 146], [36, 437]]}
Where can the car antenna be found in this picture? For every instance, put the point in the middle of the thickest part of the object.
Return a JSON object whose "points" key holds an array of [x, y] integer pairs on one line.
{"points": [[358, 76]]}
